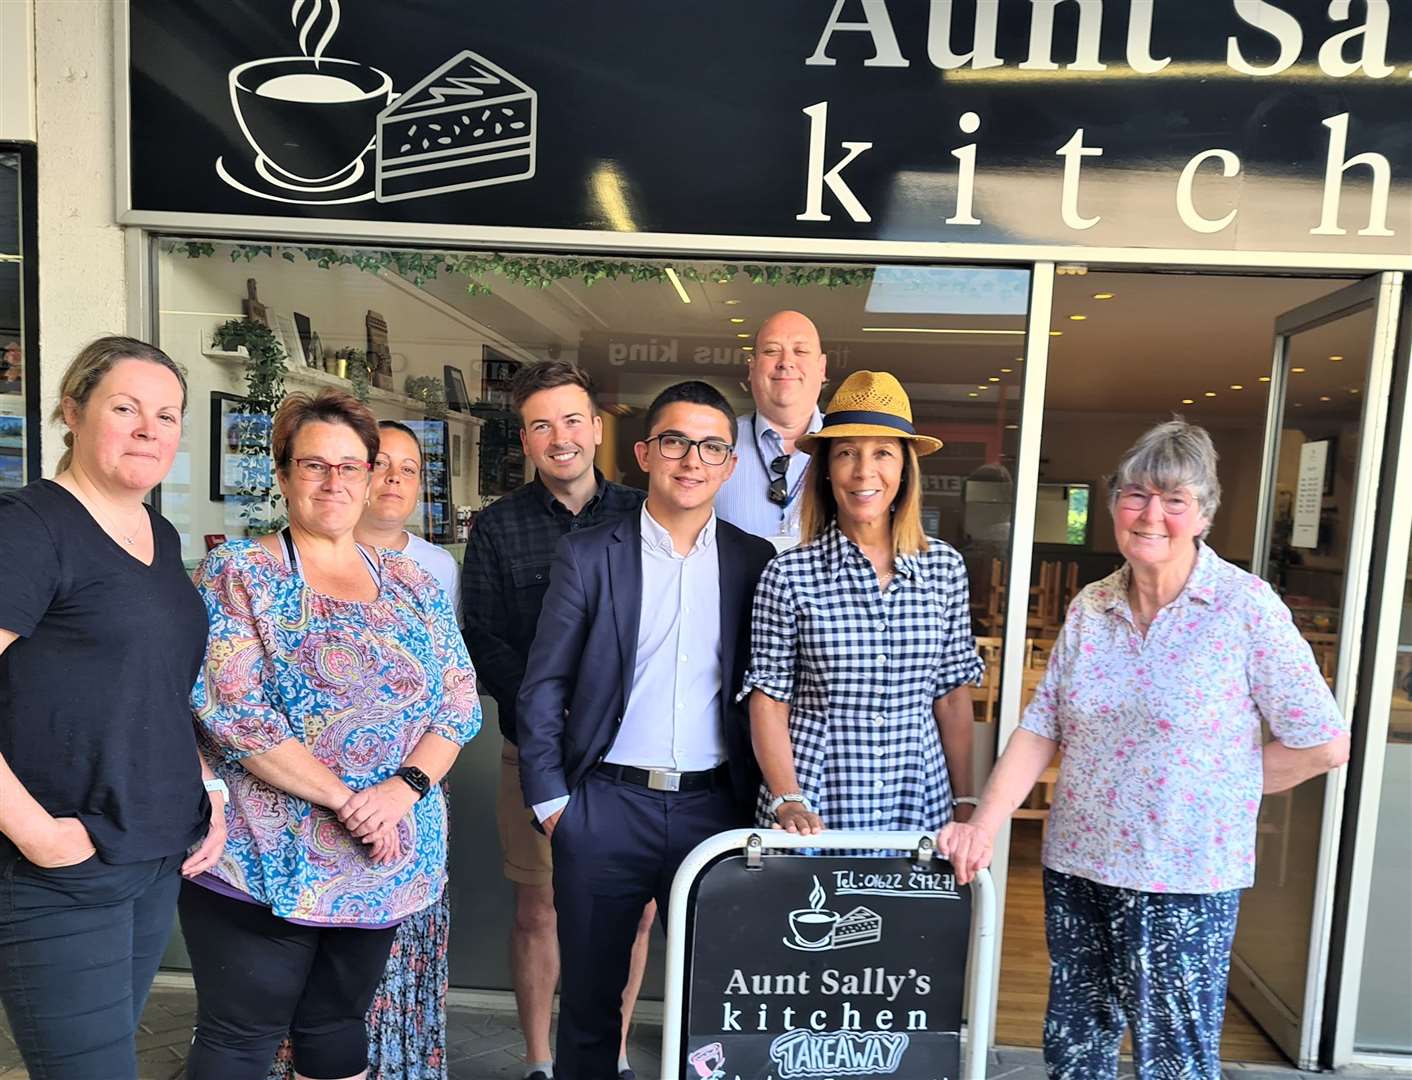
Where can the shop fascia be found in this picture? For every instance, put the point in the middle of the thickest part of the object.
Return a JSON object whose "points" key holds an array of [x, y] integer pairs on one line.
{"points": [[1253, 20]]}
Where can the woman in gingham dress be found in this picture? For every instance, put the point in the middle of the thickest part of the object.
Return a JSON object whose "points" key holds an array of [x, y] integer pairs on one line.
{"points": [[862, 653]]}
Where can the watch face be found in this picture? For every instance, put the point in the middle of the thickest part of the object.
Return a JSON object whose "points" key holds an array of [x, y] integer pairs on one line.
{"points": [[418, 779]]}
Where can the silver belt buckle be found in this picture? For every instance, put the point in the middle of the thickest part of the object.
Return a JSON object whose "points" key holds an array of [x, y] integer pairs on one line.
{"points": [[664, 779]]}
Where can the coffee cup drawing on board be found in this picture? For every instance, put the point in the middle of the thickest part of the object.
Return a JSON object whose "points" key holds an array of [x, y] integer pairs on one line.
{"points": [[816, 927], [312, 121]]}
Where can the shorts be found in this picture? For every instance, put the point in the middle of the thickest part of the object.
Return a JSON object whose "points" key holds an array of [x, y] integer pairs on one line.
{"points": [[525, 848]]}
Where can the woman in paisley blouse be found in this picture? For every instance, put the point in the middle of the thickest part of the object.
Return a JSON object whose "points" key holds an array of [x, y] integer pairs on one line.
{"points": [[1156, 691], [335, 695]]}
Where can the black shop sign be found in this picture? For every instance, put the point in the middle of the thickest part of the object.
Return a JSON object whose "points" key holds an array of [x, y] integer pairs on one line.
{"points": [[822, 967], [1251, 125]]}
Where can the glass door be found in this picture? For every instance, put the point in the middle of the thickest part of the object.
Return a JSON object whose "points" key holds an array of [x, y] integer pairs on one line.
{"points": [[1324, 432]]}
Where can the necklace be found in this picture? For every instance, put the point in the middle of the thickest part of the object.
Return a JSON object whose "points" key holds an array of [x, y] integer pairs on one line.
{"points": [[127, 538]]}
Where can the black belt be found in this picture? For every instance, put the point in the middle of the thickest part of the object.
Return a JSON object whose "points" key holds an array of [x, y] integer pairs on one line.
{"points": [[668, 779]]}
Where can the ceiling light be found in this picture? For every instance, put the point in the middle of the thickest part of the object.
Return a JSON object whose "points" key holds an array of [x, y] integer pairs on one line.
{"points": [[1299, 404], [1012, 427], [1006, 370], [1103, 296], [1264, 378], [1325, 397], [1237, 386], [737, 322], [1188, 401], [1078, 318], [742, 335], [1019, 359], [1353, 389], [1071, 269], [1056, 333], [982, 386], [747, 348], [1297, 370], [1336, 358], [973, 394], [1210, 393], [731, 303], [676, 284], [994, 378], [933, 330]]}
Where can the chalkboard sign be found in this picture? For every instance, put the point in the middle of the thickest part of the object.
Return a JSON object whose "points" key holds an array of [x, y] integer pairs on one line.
{"points": [[826, 966]]}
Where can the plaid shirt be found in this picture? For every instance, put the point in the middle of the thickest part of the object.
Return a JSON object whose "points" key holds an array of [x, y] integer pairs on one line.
{"points": [[860, 669], [506, 572]]}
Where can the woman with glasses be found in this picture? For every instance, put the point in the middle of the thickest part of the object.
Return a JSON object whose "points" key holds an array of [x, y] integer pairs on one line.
{"points": [[335, 695], [862, 654], [1156, 692]]}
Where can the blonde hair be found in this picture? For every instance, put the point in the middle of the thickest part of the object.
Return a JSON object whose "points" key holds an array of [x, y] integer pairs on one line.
{"points": [[92, 363], [820, 509]]}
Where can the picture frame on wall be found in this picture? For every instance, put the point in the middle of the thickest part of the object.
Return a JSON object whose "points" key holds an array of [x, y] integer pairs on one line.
{"points": [[497, 374], [457, 399], [230, 469], [289, 338], [456, 453]]}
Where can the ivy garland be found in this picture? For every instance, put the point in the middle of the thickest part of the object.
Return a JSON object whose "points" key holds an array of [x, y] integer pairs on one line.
{"points": [[264, 389], [420, 267]]}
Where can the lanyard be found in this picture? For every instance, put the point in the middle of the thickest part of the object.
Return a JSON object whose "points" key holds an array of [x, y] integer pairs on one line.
{"points": [[764, 465]]}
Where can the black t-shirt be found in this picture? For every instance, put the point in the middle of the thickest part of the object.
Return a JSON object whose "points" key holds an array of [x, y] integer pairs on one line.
{"points": [[95, 713]]}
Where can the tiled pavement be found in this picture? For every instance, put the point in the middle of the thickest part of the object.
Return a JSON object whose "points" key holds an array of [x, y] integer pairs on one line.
{"points": [[484, 1044]]}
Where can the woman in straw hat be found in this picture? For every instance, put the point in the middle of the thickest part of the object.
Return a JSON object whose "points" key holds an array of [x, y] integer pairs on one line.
{"points": [[862, 653]]}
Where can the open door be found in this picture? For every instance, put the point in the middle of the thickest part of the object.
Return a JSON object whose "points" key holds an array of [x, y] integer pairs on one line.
{"points": [[1323, 447]]}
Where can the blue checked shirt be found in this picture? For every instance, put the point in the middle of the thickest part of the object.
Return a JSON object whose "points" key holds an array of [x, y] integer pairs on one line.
{"points": [[744, 499], [860, 669]]}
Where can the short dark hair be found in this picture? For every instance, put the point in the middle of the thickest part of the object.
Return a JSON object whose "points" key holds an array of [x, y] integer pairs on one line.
{"points": [[547, 375], [693, 393], [398, 425], [330, 406]]}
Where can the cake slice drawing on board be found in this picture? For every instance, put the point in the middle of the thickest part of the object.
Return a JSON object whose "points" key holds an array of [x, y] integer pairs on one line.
{"points": [[861, 926], [468, 124]]}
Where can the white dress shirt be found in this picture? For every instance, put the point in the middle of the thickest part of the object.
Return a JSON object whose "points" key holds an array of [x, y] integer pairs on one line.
{"points": [[440, 564], [672, 719], [744, 499]]}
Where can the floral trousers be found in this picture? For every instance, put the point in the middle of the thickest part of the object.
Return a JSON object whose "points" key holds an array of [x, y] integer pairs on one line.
{"points": [[1156, 963]]}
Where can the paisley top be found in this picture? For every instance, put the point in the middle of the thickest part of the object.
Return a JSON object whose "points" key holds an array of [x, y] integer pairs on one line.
{"points": [[359, 683], [1160, 783]]}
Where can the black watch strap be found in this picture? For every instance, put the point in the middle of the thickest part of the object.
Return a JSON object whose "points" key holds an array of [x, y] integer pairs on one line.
{"points": [[415, 779]]}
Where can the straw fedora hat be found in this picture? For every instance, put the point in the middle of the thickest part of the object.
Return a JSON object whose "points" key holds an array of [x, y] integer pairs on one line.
{"points": [[870, 403]]}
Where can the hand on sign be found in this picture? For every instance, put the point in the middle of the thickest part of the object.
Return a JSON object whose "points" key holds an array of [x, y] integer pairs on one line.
{"points": [[966, 847], [794, 818]]}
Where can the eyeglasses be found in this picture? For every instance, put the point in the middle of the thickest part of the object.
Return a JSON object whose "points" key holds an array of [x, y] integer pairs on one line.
{"points": [[350, 472], [779, 480], [676, 447], [1173, 502], [406, 470]]}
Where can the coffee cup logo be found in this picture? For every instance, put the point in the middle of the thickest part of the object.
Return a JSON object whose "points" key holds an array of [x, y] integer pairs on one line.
{"points": [[817, 927]]}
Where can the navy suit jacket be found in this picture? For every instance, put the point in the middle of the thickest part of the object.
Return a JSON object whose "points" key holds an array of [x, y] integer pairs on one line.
{"points": [[580, 668]]}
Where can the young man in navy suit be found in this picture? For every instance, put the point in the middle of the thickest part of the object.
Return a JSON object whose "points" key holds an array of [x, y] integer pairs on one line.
{"points": [[632, 747]]}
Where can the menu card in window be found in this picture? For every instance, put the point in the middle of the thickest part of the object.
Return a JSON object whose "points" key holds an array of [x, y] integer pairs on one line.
{"points": [[1309, 497]]}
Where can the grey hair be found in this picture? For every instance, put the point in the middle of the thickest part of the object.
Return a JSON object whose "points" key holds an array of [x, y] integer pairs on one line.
{"points": [[1172, 455]]}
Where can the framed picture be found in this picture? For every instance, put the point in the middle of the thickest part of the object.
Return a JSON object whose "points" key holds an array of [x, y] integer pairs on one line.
{"points": [[305, 330], [456, 397], [241, 459], [498, 371], [456, 454], [289, 338]]}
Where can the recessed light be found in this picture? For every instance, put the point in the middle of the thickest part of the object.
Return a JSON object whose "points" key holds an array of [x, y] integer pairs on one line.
{"points": [[1006, 370], [747, 348], [730, 303], [742, 335], [1103, 296], [1077, 318], [1297, 370], [973, 394], [982, 386], [1012, 427], [1353, 389], [1299, 404], [994, 378], [737, 321], [1188, 401], [1056, 333], [1237, 386], [1264, 378], [1336, 358], [1325, 397], [1210, 393], [1019, 359]]}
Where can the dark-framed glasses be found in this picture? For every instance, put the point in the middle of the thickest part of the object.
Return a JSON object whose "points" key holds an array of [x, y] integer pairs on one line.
{"points": [[779, 480], [350, 472], [407, 471], [1136, 500], [676, 447]]}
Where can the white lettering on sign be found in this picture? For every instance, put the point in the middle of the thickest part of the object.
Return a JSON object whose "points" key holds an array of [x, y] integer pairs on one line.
{"points": [[837, 1053], [817, 178]]}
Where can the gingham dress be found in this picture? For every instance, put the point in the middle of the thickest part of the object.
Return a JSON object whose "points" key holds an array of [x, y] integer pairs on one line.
{"points": [[860, 669]]}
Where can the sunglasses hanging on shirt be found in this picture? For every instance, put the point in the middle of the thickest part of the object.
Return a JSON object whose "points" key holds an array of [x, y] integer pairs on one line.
{"points": [[779, 480]]}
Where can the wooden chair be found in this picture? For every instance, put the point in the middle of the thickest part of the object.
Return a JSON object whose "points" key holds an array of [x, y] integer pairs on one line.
{"points": [[1047, 612], [988, 609], [1041, 798], [987, 695]]}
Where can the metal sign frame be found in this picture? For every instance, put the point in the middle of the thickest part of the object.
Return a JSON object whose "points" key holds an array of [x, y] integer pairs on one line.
{"points": [[980, 963]]}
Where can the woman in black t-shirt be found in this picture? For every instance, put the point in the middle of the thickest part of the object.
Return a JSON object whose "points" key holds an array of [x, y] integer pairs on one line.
{"points": [[101, 783]]}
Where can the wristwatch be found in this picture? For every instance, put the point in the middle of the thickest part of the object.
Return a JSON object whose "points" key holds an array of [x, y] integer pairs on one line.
{"points": [[216, 784], [417, 780], [794, 797]]}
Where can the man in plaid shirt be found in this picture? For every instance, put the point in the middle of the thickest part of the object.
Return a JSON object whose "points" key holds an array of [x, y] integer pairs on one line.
{"points": [[503, 581]]}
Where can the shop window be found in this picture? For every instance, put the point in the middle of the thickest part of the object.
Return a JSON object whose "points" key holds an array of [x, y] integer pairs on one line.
{"points": [[19, 405]]}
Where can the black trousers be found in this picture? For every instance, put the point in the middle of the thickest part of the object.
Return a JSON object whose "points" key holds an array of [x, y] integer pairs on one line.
{"points": [[259, 978], [616, 846], [79, 947]]}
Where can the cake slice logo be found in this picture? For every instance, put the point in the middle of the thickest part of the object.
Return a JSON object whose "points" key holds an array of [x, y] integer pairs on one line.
{"points": [[817, 928], [468, 124], [313, 121]]}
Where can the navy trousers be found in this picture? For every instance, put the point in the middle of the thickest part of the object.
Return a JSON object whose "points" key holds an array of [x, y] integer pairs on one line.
{"points": [[1154, 962], [79, 947], [616, 846]]}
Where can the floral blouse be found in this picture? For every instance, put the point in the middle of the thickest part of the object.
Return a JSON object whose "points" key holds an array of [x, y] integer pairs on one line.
{"points": [[359, 683], [1161, 778]]}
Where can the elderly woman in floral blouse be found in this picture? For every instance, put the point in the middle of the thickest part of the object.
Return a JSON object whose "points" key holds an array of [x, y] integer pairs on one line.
{"points": [[1156, 692], [335, 696]]}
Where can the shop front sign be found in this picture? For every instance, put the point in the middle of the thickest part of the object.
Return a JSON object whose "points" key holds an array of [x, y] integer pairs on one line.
{"points": [[1240, 125]]}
